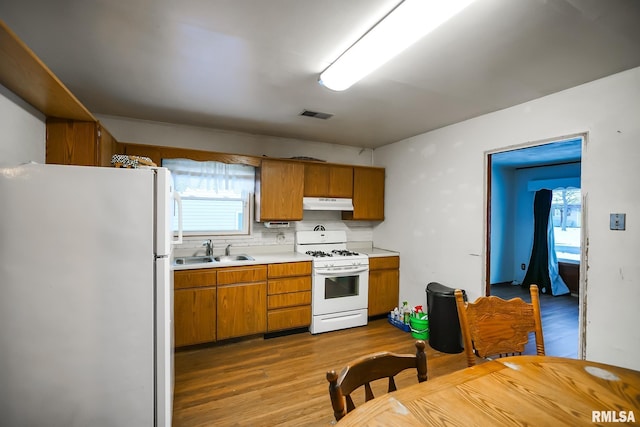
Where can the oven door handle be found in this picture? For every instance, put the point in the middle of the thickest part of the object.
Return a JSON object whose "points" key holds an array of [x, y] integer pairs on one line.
{"points": [[342, 272]]}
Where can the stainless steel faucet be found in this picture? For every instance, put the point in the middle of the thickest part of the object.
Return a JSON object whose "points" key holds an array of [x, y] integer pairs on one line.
{"points": [[227, 250], [208, 244]]}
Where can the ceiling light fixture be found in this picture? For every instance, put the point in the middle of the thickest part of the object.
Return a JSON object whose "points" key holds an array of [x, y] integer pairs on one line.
{"points": [[405, 24]]}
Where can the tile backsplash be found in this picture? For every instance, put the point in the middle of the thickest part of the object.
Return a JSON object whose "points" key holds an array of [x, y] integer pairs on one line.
{"points": [[278, 239]]}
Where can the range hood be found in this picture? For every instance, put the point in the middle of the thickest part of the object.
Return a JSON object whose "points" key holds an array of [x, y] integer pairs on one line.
{"points": [[326, 204]]}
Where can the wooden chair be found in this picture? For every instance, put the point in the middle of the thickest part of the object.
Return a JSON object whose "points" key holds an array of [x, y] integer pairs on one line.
{"points": [[492, 326], [369, 368]]}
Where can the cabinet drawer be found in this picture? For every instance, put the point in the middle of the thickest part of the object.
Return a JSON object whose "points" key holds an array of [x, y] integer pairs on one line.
{"points": [[290, 269], [194, 278], [288, 318], [288, 300], [290, 284], [382, 263], [252, 273]]}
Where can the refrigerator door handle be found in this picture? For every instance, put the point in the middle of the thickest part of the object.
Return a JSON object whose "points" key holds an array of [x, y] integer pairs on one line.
{"points": [[178, 200]]}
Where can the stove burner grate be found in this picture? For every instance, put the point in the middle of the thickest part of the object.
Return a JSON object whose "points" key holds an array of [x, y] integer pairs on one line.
{"points": [[318, 254], [344, 252]]}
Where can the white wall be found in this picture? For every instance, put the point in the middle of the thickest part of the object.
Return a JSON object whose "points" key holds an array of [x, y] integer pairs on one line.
{"points": [[435, 209], [199, 138], [502, 225], [22, 130]]}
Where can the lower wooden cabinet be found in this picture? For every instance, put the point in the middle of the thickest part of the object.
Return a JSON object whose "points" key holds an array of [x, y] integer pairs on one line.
{"points": [[384, 284], [194, 301], [289, 318], [214, 304], [242, 301], [289, 296], [195, 316]]}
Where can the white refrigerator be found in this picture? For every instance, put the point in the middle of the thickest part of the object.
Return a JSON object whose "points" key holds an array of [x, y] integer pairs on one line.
{"points": [[86, 298]]}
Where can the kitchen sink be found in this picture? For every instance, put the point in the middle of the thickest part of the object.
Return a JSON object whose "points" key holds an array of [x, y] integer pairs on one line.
{"points": [[226, 258], [193, 260]]}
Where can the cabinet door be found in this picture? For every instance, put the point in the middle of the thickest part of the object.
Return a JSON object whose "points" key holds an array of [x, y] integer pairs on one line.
{"points": [[242, 310], [279, 190], [383, 291], [316, 180], [71, 142], [322, 180], [340, 181], [368, 194], [194, 316]]}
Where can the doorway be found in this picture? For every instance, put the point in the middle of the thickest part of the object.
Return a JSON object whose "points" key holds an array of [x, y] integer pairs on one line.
{"points": [[513, 176]]}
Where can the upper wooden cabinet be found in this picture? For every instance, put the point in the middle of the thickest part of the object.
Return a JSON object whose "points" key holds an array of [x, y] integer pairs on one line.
{"points": [[71, 142], [279, 189], [322, 180], [368, 194]]}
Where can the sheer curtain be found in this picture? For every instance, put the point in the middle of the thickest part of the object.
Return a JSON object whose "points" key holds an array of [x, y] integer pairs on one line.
{"points": [[558, 287], [210, 179], [215, 196]]}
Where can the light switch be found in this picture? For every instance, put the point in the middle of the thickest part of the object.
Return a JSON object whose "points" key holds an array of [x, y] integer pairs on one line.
{"points": [[616, 221]]}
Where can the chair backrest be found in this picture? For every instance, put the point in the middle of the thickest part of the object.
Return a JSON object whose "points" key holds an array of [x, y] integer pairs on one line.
{"points": [[492, 326], [362, 371]]}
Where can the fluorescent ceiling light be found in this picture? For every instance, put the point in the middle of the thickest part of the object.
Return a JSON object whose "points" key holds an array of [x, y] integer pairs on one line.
{"points": [[403, 26]]}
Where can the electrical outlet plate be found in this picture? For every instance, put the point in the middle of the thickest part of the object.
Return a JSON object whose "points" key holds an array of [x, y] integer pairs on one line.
{"points": [[617, 221]]}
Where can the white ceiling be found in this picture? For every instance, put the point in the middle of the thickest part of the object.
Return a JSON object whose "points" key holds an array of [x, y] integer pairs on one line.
{"points": [[252, 65]]}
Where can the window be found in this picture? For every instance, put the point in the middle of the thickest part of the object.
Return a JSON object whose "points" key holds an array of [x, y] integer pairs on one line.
{"points": [[566, 211], [215, 196]]}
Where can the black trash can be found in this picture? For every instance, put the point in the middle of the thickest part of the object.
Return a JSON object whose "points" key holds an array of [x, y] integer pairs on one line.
{"points": [[444, 326]]}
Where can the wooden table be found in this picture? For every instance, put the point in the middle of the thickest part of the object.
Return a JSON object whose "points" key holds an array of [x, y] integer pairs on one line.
{"points": [[520, 390]]}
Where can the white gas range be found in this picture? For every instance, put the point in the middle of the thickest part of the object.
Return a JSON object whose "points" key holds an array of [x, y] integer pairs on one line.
{"points": [[340, 283]]}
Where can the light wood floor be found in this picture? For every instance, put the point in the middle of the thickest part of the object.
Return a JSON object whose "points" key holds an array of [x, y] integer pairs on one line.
{"points": [[281, 381]]}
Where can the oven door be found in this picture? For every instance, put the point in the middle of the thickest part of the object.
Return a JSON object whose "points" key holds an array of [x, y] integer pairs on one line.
{"points": [[338, 290]]}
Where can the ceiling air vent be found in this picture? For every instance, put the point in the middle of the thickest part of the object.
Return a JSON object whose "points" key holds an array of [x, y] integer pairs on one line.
{"points": [[316, 114]]}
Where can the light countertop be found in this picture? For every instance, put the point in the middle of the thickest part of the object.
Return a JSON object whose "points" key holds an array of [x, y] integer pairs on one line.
{"points": [[258, 258], [278, 257], [377, 252]]}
